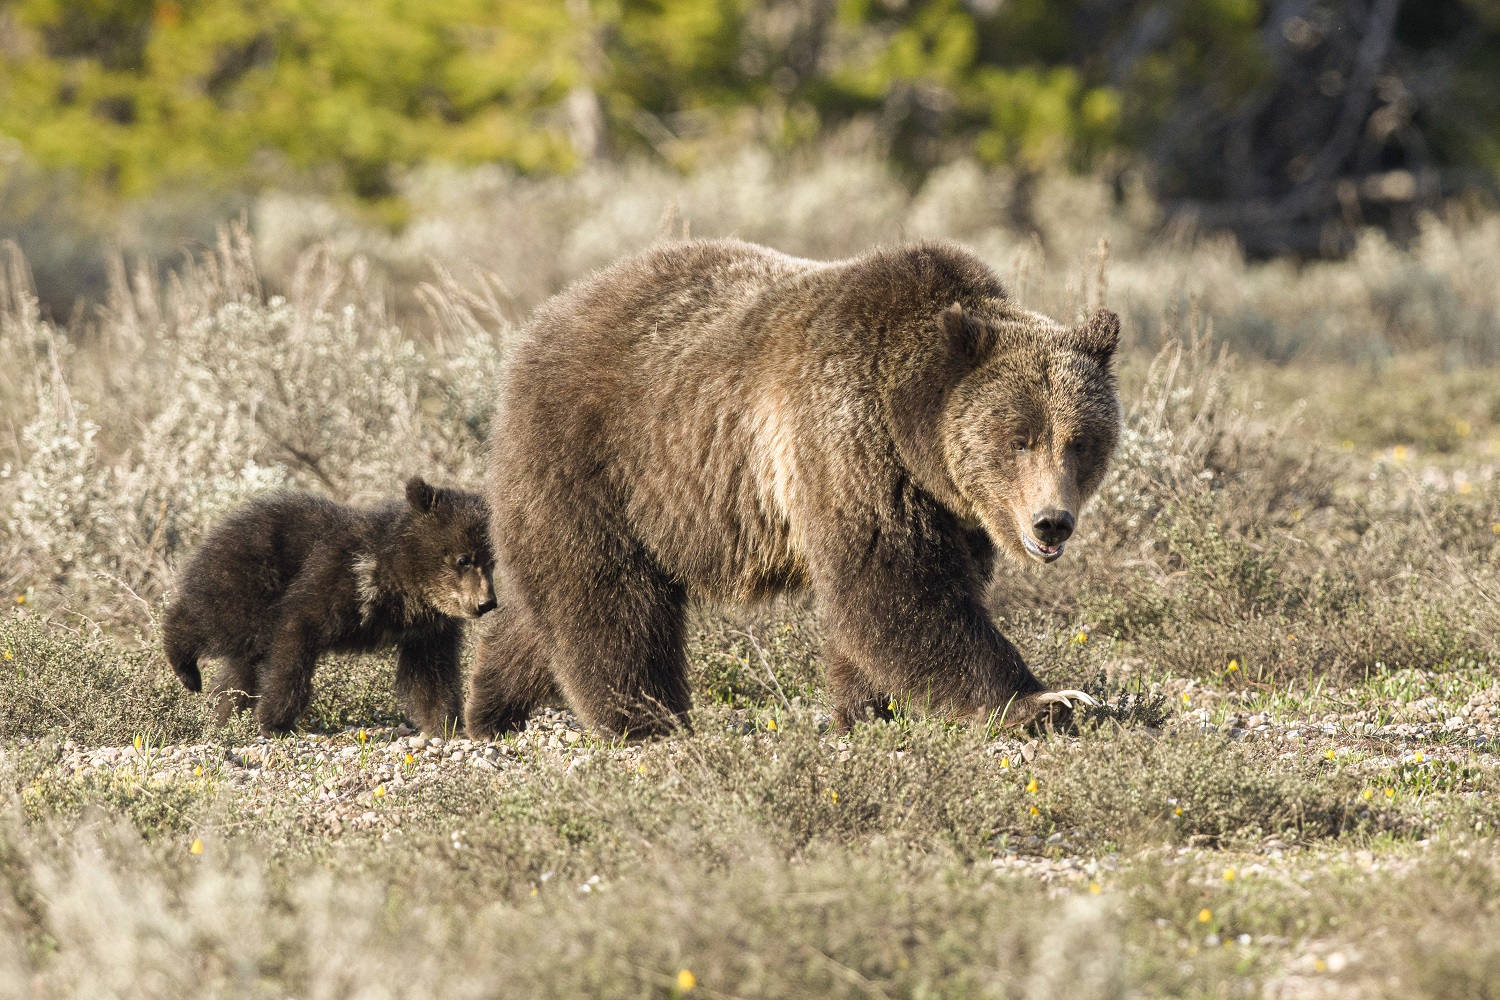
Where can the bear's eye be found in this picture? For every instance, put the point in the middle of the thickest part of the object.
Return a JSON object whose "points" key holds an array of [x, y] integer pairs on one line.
{"points": [[463, 562], [1077, 446], [1018, 446]]}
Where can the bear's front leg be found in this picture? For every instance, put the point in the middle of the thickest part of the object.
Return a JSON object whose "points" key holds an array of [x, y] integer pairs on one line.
{"points": [[903, 615], [427, 677]]}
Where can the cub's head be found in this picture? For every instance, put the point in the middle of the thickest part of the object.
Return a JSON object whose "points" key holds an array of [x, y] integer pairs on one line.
{"points": [[1029, 429], [448, 552]]}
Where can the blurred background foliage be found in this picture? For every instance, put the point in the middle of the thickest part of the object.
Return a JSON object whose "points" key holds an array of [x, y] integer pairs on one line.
{"points": [[1290, 123]]}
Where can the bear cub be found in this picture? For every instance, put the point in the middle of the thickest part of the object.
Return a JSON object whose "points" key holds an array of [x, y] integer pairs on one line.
{"points": [[291, 576]]}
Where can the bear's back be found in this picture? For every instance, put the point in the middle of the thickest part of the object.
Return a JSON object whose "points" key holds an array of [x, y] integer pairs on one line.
{"points": [[683, 397]]}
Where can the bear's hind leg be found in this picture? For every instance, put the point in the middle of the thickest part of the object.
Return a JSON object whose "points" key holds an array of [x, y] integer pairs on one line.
{"points": [[286, 684], [621, 659], [512, 673], [427, 679], [182, 640]]}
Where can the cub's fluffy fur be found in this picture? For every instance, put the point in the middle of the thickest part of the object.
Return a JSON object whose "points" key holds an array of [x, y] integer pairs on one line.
{"points": [[716, 420], [291, 576]]}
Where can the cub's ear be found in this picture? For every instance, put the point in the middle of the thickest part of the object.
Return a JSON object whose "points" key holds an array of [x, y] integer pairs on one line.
{"points": [[1099, 336], [967, 335], [419, 494]]}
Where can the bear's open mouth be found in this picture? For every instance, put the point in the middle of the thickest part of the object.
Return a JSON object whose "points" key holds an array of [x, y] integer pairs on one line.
{"points": [[1046, 553]]}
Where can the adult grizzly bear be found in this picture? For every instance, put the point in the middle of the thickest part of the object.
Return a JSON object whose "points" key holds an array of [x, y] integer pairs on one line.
{"points": [[716, 420], [290, 576]]}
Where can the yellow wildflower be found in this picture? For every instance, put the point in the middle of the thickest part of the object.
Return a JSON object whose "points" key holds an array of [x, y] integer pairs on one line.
{"points": [[1031, 786], [1328, 753], [1367, 794], [20, 598], [1177, 811], [137, 742], [1418, 757], [1005, 762], [1095, 888], [410, 759], [686, 980], [1081, 637], [1035, 811], [770, 723], [1399, 453], [198, 771], [8, 654], [834, 796], [197, 847], [1187, 699], [1205, 915], [1229, 874], [380, 791], [1390, 793]]}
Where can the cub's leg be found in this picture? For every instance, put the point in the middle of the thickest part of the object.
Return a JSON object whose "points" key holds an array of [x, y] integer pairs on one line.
{"points": [[235, 686], [512, 672], [286, 681], [427, 678], [182, 639]]}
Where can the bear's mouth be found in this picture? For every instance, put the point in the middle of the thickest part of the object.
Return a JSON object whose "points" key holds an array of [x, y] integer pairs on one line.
{"points": [[1046, 553]]}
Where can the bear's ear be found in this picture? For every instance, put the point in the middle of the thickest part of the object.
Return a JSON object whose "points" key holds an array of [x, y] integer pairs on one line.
{"points": [[1099, 336], [419, 494], [967, 335]]}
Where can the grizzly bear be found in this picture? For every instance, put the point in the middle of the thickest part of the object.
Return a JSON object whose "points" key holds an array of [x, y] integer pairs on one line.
{"points": [[291, 576], [717, 421]]}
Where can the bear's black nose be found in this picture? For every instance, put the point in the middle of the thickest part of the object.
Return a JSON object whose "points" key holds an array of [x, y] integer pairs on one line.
{"points": [[1052, 526], [485, 608]]}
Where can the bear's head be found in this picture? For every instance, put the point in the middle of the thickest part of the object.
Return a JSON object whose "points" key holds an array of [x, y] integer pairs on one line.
{"points": [[1029, 428], [447, 560]]}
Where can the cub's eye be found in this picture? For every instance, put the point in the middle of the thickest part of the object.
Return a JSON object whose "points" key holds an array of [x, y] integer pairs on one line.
{"points": [[463, 562], [1018, 446], [1077, 446]]}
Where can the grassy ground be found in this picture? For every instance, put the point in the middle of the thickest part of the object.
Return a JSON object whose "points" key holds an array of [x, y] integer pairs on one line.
{"points": [[1290, 792], [1285, 595]]}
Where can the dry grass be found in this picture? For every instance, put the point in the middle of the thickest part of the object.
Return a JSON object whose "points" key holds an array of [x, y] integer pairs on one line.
{"points": [[1301, 542]]}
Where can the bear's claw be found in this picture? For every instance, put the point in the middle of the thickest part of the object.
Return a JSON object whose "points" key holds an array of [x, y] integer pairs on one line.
{"points": [[1066, 698]]}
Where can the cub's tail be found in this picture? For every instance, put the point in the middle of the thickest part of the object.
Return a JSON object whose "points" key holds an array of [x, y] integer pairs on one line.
{"points": [[181, 642]]}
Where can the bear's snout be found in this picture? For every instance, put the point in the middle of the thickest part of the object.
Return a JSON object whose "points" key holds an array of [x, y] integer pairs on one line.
{"points": [[485, 607], [1052, 526]]}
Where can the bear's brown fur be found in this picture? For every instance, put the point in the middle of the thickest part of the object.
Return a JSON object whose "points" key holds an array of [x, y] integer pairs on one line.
{"points": [[291, 576], [716, 420]]}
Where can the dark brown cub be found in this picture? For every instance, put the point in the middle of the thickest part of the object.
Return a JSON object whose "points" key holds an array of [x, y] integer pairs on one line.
{"points": [[291, 576]]}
